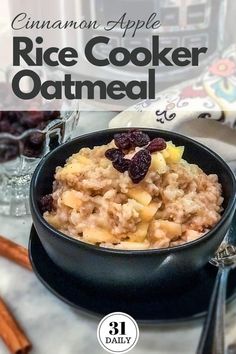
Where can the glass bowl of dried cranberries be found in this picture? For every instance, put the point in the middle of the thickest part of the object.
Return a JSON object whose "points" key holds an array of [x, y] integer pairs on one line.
{"points": [[25, 137]]}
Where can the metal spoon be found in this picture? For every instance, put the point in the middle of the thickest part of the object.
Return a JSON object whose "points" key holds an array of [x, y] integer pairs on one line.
{"points": [[213, 332]]}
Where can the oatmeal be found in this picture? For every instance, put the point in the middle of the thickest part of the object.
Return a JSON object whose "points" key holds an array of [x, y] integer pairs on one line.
{"points": [[133, 193]]}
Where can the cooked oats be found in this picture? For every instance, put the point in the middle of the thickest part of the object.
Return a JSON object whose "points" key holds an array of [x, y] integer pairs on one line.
{"points": [[175, 203]]}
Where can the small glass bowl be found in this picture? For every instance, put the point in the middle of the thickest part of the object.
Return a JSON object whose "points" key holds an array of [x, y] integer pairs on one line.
{"points": [[19, 155]]}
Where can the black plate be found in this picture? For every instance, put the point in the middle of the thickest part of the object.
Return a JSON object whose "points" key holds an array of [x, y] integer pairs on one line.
{"points": [[190, 304]]}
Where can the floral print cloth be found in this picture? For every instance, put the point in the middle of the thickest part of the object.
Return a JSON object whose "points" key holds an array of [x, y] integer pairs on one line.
{"points": [[211, 96]]}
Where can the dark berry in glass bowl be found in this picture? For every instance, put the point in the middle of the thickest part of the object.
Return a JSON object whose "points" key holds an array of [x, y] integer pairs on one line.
{"points": [[25, 137], [17, 123], [9, 150]]}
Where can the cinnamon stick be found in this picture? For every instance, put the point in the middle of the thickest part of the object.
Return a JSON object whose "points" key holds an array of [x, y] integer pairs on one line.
{"points": [[11, 333], [14, 252]]}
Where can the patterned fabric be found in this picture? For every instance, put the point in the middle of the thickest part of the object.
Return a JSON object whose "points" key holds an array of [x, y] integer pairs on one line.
{"points": [[212, 96]]}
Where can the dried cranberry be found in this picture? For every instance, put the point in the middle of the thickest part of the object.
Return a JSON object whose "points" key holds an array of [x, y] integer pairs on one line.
{"points": [[156, 144], [46, 203], [9, 150], [122, 141], [42, 125], [5, 126], [36, 139], [30, 152], [54, 114], [139, 165], [33, 144], [16, 129], [121, 164], [138, 138], [32, 118], [12, 116], [114, 154]]}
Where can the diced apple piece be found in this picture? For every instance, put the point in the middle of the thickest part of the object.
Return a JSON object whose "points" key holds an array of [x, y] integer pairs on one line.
{"points": [[140, 234], [158, 163], [148, 212], [155, 232], [70, 199], [53, 220], [140, 195], [165, 153], [191, 235], [175, 154], [169, 143], [97, 235], [171, 229], [104, 163], [126, 245], [163, 242]]}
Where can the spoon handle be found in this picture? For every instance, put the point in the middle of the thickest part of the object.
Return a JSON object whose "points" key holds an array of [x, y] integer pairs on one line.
{"points": [[212, 336]]}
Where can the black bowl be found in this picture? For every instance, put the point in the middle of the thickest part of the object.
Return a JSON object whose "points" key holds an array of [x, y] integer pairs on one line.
{"points": [[130, 271]]}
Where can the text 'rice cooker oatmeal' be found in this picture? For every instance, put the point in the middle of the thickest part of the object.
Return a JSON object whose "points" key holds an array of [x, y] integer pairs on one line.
{"points": [[133, 194]]}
